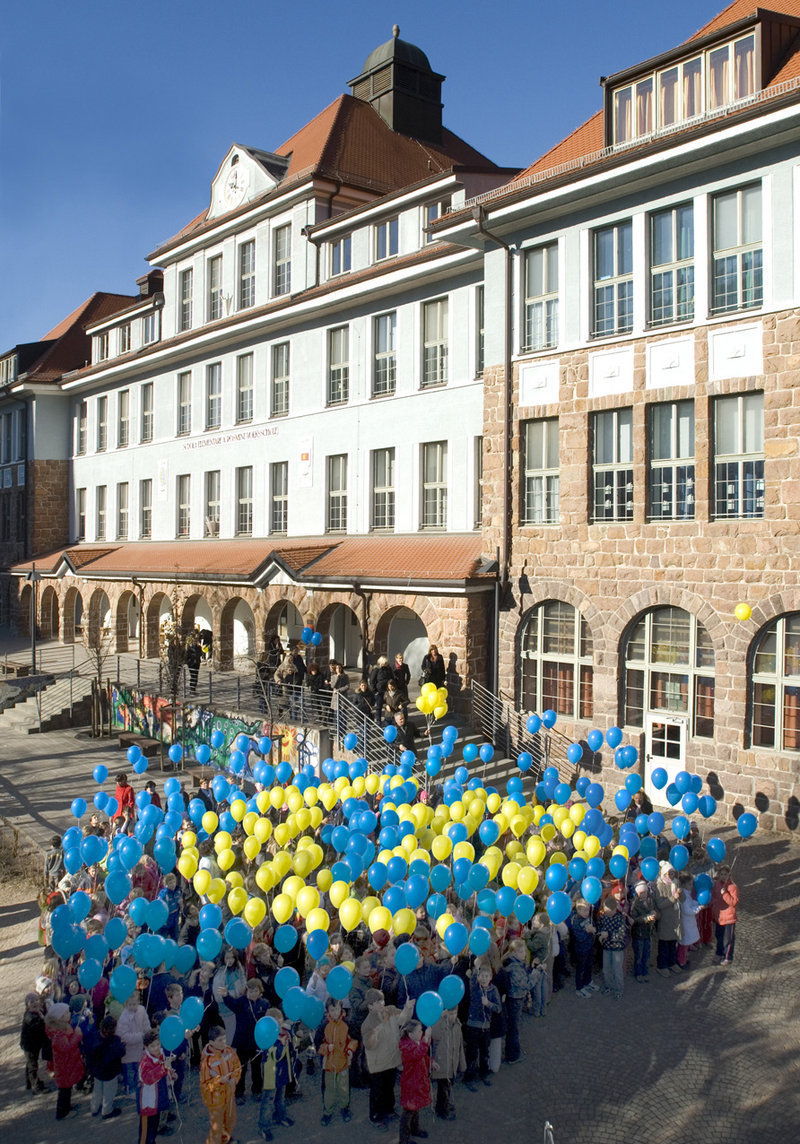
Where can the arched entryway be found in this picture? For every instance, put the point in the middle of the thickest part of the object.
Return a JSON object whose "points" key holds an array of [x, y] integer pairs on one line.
{"points": [[401, 631], [100, 619], [159, 612], [127, 623], [25, 597], [341, 634], [72, 616], [285, 621], [237, 636], [48, 614]]}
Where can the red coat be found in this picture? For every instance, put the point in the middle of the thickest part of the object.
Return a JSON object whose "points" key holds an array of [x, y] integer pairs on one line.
{"points": [[152, 1069], [415, 1080], [125, 798], [724, 900], [67, 1060]]}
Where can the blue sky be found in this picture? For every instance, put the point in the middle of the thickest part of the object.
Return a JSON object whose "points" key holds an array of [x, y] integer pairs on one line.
{"points": [[114, 117]]}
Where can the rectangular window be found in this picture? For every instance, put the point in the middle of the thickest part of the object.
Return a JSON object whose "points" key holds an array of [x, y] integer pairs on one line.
{"points": [[22, 516], [739, 456], [672, 478], [185, 292], [150, 328], [435, 343], [8, 437], [612, 464], [434, 211], [540, 503], [214, 395], [672, 265], [100, 505], [145, 509], [338, 366], [613, 280], [244, 388], [214, 304], [478, 507], [282, 261], [336, 517], [244, 501], [279, 389], [383, 490], [183, 506], [101, 346], [125, 338], [122, 510], [434, 485], [184, 404], [83, 418], [279, 497], [737, 281], [386, 239], [147, 412], [123, 418], [211, 511], [247, 274], [541, 297], [340, 256], [384, 372], [102, 423], [80, 514], [480, 347]]}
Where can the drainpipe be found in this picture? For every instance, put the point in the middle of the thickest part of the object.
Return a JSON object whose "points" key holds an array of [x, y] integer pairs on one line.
{"points": [[364, 627], [138, 584]]}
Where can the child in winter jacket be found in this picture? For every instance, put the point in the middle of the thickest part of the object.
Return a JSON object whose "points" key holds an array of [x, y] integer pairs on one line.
{"points": [[484, 1000], [724, 900], [381, 1033], [517, 986], [643, 924], [68, 1067], [337, 1051], [153, 1095], [32, 1037], [278, 1071], [447, 1046], [583, 947], [220, 1070], [104, 1052], [415, 1079]]}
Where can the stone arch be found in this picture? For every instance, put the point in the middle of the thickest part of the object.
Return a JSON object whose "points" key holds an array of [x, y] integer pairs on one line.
{"points": [[543, 590], [127, 621], [73, 616], [100, 614], [48, 614], [342, 637], [197, 610], [24, 609], [401, 629], [159, 609], [621, 622], [285, 620], [237, 634]]}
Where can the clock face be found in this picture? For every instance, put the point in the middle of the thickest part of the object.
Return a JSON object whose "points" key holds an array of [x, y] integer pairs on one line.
{"points": [[236, 183]]}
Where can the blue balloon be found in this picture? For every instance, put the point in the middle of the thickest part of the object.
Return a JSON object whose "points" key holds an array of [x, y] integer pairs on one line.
{"points": [[577, 869], [559, 907], [595, 740], [68, 940], [562, 794], [649, 869], [613, 737], [376, 876], [478, 878], [648, 847], [430, 1007], [157, 914], [122, 982], [716, 850], [316, 639], [285, 938], [406, 958], [317, 943], [524, 760], [440, 877], [679, 857], [416, 891], [618, 865], [633, 783], [549, 718], [595, 867], [683, 781], [594, 794], [294, 1003], [487, 901], [656, 821], [451, 990], [100, 773], [556, 876], [266, 1032], [134, 753], [681, 826], [285, 979], [592, 890], [582, 785], [456, 937], [436, 905], [89, 973], [533, 725], [746, 824], [171, 1032], [209, 944], [486, 753], [489, 832], [524, 908], [117, 887], [396, 869], [479, 940], [659, 778], [707, 805], [504, 899], [339, 982], [689, 802], [115, 932], [191, 1012], [78, 807], [622, 799], [575, 753]]}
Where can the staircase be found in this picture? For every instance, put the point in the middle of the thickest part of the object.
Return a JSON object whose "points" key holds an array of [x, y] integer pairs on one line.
{"points": [[61, 703]]}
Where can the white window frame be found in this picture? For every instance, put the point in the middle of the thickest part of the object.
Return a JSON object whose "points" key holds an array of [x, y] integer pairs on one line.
{"points": [[613, 477], [183, 426], [741, 470], [282, 260], [211, 511], [146, 508], [214, 298], [382, 514], [671, 477], [280, 378], [244, 500], [433, 507], [122, 510], [214, 395], [435, 342], [80, 514], [244, 388], [147, 413], [279, 498], [183, 506], [615, 290], [124, 338], [744, 260], [338, 388], [540, 309], [384, 363], [336, 493], [82, 428], [185, 299], [341, 255], [247, 274], [102, 423], [387, 238], [541, 481], [123, 418], [101, 507]]}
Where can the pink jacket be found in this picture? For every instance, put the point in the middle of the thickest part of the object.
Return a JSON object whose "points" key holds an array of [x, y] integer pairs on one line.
{"points": [[724, 900]]}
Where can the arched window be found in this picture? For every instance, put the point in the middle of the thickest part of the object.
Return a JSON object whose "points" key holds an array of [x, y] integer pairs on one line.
{"points": [[669, 668], [776, 685], [556, 661]]}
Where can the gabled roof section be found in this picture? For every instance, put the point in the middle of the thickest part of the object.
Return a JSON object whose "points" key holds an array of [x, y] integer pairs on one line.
{"points": [[584, 140], [67, 346], [745, 10]]}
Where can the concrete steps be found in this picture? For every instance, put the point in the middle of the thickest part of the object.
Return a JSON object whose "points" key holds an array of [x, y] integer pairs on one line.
{"points": [[49, 709]]}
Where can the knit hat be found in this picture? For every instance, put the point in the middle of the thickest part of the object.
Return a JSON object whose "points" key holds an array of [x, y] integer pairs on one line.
{"points": [[58, 1011], [381, 938], [641, 886], [372, 996]]}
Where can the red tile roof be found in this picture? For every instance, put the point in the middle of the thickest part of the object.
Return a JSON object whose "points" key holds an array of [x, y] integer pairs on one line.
{"points": [[742, 10], [349, 142], [71, 348], [387, 558], [584, 140]]}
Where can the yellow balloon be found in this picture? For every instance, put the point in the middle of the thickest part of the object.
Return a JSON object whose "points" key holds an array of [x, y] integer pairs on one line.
{"points": [[189, 838], [337, 893], [210, 822], [559, 814], [510, 807], [457, 811], [234, 878], [307, 900], [222, 841], [201, 881], [282, 863], [419, 855], [282, 908], [292, 886], [276, 797], [238, 809], [262, 830], [303, 819], [379, 919], [251, 847], [237, 899], [216, 890], [442, 923], [442, 812], [623, 850], [538, 811], [350, 913], [404, 921], [428, 689], [249, 821], [592, 845], [317, 919], [527, 880], [493, 803], [743, 612], [463, 850], [265, 879], [578, 839], [441, 847], [359, 786], [419, 703], [567, 827], [371, 783], [283, 834], [368, 905], [262, 801], [255, 911], [329, 799], [548, 832], [501, 821], [440, 711], [295, 801], [311, 796], [187, 865], [510, 873], [518, 825], [324, 880], [513, 849], [303, 863], [225, 859], [409, 844], [317, 816], [576, 813]]}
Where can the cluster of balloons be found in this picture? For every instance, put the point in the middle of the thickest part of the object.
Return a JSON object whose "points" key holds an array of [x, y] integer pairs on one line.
{"points": [[432, 701], [309, 636]]}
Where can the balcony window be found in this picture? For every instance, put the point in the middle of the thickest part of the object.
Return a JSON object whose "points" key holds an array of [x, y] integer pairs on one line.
{"points": [[541, 297]]}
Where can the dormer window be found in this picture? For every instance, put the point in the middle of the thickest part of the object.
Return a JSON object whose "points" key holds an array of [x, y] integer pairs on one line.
{"points": [[679, 93]]}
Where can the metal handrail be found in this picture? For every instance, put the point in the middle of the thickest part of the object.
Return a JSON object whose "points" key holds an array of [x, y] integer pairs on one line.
{"points": [[507, 729]]}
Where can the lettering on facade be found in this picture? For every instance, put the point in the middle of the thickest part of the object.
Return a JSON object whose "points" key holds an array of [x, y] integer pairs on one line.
{"points": [[227, 438]]}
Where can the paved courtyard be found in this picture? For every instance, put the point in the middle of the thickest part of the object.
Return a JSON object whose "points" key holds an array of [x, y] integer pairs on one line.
{"points": [[712, 1056]]}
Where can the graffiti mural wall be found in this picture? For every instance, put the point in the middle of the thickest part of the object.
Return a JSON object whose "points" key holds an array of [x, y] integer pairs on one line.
{"points": [[191, 725]]}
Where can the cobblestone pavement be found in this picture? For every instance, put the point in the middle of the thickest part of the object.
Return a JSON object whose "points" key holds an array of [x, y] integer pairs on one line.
{"points": [[712, 1056]]}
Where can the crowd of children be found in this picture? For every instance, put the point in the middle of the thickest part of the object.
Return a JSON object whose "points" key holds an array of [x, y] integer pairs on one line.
{"points": [[89, 1040]]}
